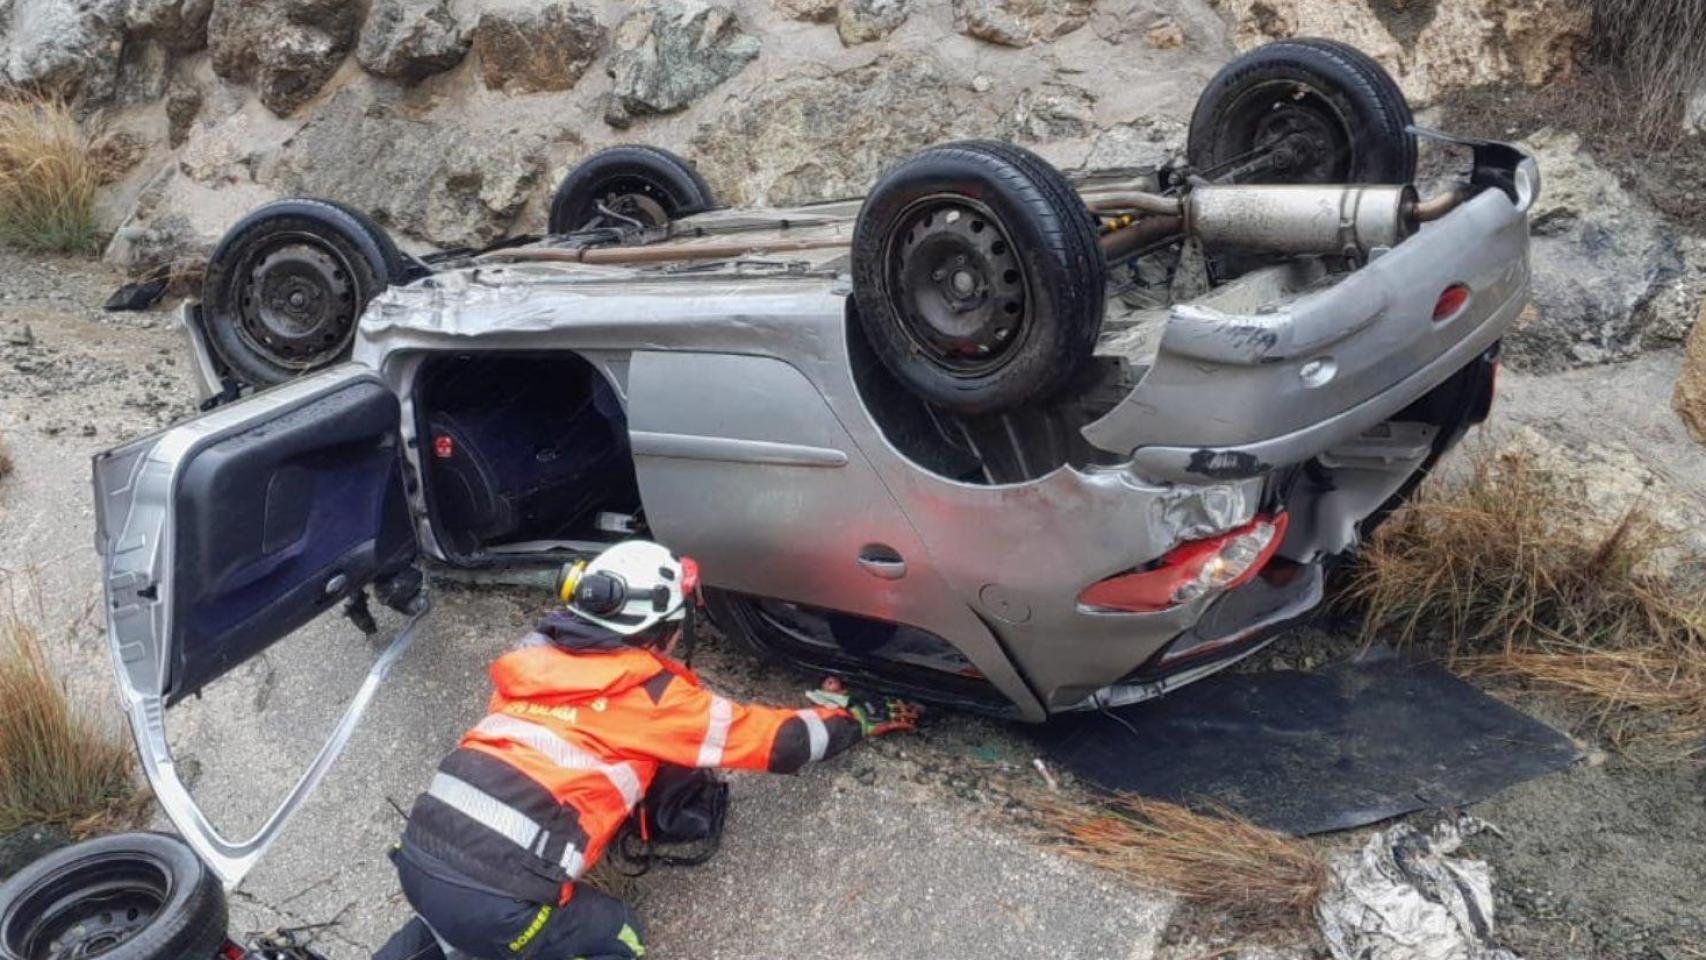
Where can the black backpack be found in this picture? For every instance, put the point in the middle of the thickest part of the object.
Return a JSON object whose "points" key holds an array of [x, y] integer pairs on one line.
{"points": [[679, 822]]}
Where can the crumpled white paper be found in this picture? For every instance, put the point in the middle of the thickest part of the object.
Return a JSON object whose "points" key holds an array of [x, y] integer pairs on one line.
{"points": [[1402, 897]]}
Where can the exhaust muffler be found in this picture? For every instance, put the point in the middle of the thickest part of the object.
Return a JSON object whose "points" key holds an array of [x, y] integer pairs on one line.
{"points": [[1337, 220]]}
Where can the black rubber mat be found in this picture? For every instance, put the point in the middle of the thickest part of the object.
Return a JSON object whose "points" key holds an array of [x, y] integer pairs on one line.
{"points": [[1314, 752]]}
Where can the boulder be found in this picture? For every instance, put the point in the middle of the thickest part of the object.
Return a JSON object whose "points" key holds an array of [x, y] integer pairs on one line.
{"points": [[670, 53], [1143, 143], [1431, 48], [1689, 400], [431, 180], [177, 25], [67, 48], [183, 105], [1610, 275], [861, 21], [1052, 111], [1166, 34], [528, 48], [287, 48], [811, 11], [1609, 477], [828, 136], [1020, 23], [410, 40]]}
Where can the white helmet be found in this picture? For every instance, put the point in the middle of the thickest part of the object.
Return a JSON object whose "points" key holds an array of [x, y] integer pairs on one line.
{"points": [[630, 587]]}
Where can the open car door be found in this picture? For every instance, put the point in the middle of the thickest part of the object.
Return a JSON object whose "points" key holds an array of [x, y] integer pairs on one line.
{"points": [[223, 535]]}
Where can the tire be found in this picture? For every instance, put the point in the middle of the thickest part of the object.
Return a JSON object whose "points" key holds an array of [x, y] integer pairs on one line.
{"points": [[133, 896], [322, 261], [646, 183], [1346, 113], [978, 278]]}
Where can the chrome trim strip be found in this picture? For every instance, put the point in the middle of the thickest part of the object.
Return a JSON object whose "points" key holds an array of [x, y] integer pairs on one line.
{"points": [[680, 446]]}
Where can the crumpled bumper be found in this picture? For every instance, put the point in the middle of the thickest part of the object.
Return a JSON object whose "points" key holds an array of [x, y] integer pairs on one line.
{"points": [[1234, 394]]}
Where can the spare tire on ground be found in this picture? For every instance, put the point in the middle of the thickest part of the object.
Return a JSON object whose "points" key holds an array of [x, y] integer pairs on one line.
{"points": [[635, 184], [133, 896], [1305, 110], [287, 285], [978, 278]]}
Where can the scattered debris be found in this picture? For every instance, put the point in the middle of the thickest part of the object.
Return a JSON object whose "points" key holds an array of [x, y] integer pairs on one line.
{"points": [[1403, 897], [1048, 778], [1371, 737], [137, 296]]}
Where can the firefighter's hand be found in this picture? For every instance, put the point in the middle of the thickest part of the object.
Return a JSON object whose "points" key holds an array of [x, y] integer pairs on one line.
{"points": [[891, 715]]}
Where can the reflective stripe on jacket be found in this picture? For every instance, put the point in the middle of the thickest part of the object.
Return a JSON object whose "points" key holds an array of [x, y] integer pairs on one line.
{"points": [[576, 728]]}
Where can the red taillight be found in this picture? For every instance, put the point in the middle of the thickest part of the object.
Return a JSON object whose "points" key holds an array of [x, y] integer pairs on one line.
{"points": [[232, 952], [1451, 300], [1192, 569], [443, 447]]}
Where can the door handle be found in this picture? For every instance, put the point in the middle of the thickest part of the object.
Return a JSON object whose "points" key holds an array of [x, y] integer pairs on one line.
{"points": [[882, 561]]}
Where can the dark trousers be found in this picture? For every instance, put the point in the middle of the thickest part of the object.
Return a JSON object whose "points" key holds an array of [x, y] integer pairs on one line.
{"points": [[488, 926]]}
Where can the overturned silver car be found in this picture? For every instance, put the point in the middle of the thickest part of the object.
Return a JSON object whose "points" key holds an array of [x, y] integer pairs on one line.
{"points": [[987, 436]]}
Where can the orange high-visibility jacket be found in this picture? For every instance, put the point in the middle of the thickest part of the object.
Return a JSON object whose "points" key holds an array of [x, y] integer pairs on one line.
{"points": [[577, 726]]}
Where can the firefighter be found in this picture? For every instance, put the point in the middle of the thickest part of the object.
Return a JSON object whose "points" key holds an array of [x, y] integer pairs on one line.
{"points": [[584, 712]]}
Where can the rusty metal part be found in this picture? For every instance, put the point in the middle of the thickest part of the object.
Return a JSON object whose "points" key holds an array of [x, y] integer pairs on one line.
{"points": [[1440, 203], [1145, 202], [1300, 218], [666, 252], [1122, 243]]}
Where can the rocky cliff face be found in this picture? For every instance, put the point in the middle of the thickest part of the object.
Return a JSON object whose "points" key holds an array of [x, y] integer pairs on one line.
{"points": [[451, 120]]}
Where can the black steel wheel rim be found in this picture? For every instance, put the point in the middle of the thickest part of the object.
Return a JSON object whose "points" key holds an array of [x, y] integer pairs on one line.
{"points": [[299, 303], [88, 910], [1296, 133], [958, 285], [629, 199]]}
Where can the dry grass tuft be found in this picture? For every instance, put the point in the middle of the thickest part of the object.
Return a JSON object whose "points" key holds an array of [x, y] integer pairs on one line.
{"points": [[1256, 876], [49, 172], [60, 764], [1507, 572], [1659, 49]]}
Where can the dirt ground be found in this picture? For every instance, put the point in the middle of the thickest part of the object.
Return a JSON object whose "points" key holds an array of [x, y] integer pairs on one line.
{"points": [[1604, 860]]}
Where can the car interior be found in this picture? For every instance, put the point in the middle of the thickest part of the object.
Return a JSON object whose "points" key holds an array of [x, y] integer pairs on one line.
{"points": [[523, 452]]}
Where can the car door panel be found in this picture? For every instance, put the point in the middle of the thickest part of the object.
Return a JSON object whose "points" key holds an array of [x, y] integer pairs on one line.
{"points": [[289, 506], [222, 536], [743, 466]]}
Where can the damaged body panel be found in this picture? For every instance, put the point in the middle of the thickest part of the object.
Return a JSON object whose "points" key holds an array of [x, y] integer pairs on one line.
{"points": [[1239, 388]]}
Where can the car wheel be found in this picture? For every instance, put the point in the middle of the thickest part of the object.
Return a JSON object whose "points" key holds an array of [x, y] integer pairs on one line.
{"points": [[134, 896], [634, 183], [1302, 111], [978, 278], [287, 285]]}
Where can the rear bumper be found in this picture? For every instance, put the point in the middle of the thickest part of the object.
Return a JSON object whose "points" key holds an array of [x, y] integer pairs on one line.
{"points": [[1233, 395]]}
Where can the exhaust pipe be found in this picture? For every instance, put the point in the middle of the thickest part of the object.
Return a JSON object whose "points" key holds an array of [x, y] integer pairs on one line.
{"points": [[1302, 218]]}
